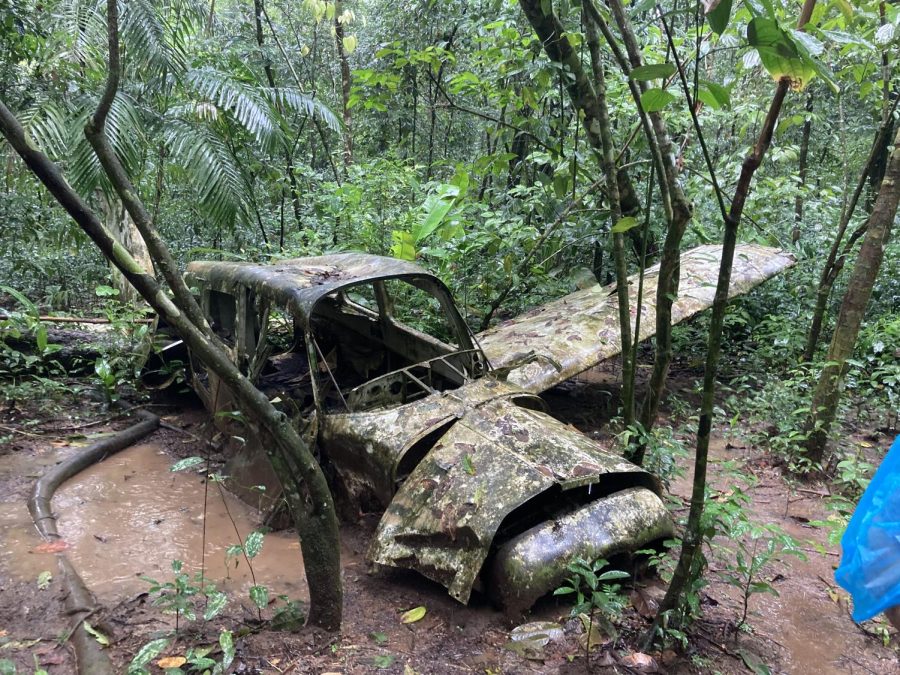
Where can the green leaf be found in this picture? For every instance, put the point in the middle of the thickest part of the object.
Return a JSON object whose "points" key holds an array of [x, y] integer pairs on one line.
{"points": [[226, 642], [719, 15], [625, 224], [146, 654], [96, 634], [103, 291], [260, 596], [44, 579], [7, 667], [379, 638], [468, 465], [714, 95], [186, 463], [253, 544], [654, 100], [413, 615], [439, 208], [779, 53], [652, 72], [404, 246], [216, 602]]}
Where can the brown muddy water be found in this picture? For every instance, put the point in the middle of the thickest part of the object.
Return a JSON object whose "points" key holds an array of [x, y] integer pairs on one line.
{"points": [[131, 516]]}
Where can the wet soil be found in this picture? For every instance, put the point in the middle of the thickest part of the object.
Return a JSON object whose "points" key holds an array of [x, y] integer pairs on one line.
{"points": [[130, 516]]}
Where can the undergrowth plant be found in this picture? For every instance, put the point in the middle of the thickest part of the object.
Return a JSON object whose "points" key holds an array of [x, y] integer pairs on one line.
{"points": [[597, 599]]}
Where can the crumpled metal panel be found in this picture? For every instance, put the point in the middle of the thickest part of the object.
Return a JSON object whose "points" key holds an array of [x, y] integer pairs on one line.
{"points": [[367, 447], [535, 562], [299, 283], [444, 518], [581, 330]]}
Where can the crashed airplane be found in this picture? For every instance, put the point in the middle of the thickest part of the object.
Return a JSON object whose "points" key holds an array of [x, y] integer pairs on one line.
{"points": [[483, 489]]}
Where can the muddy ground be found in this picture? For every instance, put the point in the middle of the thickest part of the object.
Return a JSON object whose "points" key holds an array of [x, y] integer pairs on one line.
{"points": [[130, 516]]}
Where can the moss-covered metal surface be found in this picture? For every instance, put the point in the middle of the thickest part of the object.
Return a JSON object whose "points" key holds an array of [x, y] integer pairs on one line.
{"points": [[479, 465], [535, 562], [497, 457], [581, 330]]}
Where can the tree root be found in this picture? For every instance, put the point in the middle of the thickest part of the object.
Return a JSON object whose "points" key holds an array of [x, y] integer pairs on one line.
{"points": [[79, 602]]}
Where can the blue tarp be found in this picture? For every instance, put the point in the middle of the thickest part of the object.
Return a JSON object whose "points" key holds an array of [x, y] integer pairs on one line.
{"points": [[870, 565]]}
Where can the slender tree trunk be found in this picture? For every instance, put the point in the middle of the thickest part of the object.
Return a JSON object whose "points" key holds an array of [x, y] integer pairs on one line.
{"points": [[612, 192], [853, 307], [688, 565], [339, 20], [801, 168], [837, 255]]}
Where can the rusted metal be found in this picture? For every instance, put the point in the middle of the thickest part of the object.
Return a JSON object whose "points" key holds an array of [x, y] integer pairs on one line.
{"points": [[535, 562], [581, 329], [468, 465]]}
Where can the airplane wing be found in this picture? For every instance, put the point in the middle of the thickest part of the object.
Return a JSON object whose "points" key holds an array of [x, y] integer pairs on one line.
{"points": [[581, 329]]}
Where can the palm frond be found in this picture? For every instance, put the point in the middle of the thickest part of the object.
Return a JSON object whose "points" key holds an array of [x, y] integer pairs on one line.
{"points": [[207, 165], [288, 98], [251, 110], [47, 123], [126, 135], [147, 38], [84, 24]]}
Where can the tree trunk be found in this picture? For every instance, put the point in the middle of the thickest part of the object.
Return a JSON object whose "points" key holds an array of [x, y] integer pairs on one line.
{"points": [[612, 174], [853, 307], [834, 263], [339, 21], [121, 226], [801, 168], [688, 565]]}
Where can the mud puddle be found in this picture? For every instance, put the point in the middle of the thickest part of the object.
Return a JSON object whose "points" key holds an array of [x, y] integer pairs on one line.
{"points": [[130, 516]]}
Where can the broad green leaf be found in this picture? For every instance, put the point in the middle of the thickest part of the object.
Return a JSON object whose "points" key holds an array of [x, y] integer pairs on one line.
{"points": [[186, 463], [146, 654], [780, 54], [260, 596], [714, 95], [413, 615], [7, 667], [29, 306], [625, 224], [652, 72], [719, 15], [216, 602], [379, 638], [103, 291], [884, 34], [404, 246], [253, 544], [434, 218], [654, 100], [846, 9]]}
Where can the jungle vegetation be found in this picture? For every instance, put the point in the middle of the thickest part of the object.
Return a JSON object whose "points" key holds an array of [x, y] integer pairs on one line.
{"points": [[516, 149]]}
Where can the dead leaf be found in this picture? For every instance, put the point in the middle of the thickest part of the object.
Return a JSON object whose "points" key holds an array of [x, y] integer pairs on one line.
{"points": [[54, 546], [413, 615], [643, 603], [640, 662], [171, 662]]}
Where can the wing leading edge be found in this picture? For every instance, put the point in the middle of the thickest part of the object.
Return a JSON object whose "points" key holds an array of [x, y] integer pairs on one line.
{"points": [[581, 329]]}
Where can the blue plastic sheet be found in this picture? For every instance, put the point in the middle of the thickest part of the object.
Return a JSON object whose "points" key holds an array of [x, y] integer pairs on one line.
{"points": [[870, 565]]}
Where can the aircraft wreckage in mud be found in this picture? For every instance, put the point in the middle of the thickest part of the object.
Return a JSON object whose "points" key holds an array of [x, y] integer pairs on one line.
{"points": [[482, 488]]}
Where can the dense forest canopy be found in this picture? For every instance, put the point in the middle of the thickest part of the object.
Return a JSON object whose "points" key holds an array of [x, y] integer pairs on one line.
{"points": [[517, 149]]}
